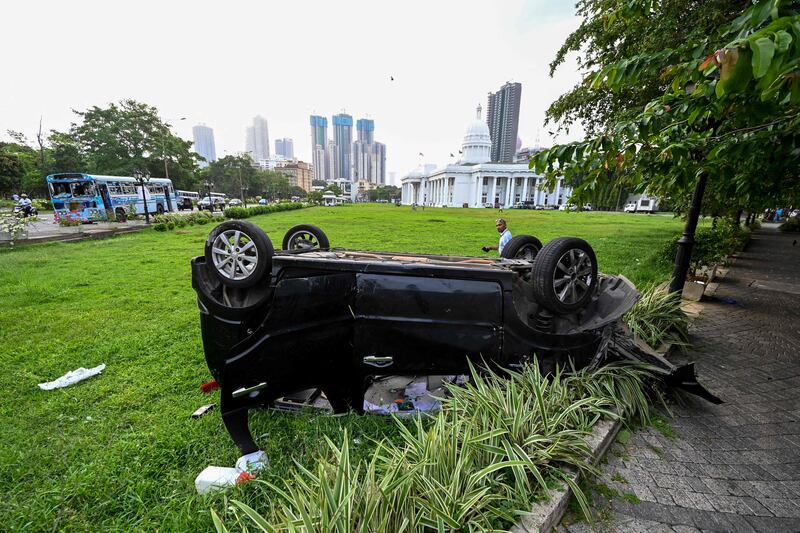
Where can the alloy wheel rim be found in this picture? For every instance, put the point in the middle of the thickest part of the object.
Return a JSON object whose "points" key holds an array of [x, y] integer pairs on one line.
{"points": [[527, 253], [235, 254], [303, 240], [573, 276]]}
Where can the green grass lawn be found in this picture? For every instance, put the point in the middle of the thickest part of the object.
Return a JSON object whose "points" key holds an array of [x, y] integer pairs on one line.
{"points": [[119, 452]]}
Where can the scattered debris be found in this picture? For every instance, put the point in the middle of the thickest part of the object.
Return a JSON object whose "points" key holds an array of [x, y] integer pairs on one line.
{"points": [[203, 410], [209, 386], [252, 463], [214, 478], [72, 377]]}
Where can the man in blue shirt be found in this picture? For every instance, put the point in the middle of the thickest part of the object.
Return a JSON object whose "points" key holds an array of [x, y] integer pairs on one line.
{"points": [[505, 236]]}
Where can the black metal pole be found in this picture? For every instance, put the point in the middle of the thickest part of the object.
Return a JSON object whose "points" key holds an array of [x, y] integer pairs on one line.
{"points": [[686, 242], [144, 199]]}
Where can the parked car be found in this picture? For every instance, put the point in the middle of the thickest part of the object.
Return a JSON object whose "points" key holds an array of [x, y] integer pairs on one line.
{"points": [[630, 207], [235, 202], [312, 317], [263, 201]]}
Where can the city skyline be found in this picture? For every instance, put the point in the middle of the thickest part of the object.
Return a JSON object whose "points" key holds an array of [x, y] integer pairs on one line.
{"points": [[203, 138], [416, 91]]}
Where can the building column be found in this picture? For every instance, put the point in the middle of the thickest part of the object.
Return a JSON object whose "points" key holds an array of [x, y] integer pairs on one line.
{"points": [[494, 190], [509, 191], [478, 190], [558, 190], [524, 196]]}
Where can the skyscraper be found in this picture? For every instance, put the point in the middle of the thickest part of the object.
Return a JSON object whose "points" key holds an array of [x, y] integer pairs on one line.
{"points": [[365, 130], [284, 147], [503, 121], [319, 144], [343, 138], [204, 143], [258, 139], [369, 157]]}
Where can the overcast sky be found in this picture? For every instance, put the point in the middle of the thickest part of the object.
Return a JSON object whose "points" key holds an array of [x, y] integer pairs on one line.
{"points": [[221, 63]]}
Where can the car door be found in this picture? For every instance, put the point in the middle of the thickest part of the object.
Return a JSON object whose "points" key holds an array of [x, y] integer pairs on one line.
{"points": [[425, 325]]}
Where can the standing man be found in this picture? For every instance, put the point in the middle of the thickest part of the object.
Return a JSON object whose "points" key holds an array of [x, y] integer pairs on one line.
{"points": [[505, 236]]}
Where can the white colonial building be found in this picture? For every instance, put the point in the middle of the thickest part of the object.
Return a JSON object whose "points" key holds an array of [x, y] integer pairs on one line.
{"points": [[475, 182]]}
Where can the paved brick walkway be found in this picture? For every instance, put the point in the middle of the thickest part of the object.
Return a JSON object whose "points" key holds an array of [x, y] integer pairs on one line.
{"points": [[736, 466]]}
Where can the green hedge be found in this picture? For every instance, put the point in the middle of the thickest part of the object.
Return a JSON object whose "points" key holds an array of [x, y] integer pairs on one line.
{"points": [[711, 244], [169, 221], [247, 212]]}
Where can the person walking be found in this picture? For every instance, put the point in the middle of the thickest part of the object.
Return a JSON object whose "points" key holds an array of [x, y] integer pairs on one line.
{"points": [[505, 236]]}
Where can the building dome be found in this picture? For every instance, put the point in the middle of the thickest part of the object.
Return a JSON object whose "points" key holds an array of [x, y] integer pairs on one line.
{"points": [[477, 145], [417, 173]]}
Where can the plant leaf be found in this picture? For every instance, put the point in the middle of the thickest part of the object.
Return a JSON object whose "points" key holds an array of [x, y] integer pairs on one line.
{"points": [[763, 50]]}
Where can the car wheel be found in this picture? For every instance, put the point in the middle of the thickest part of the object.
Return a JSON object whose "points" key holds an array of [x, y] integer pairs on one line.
{"points": [[564, 274], [238, 253], [522, 247], [122, 216], [159, 209], [305, 237]]}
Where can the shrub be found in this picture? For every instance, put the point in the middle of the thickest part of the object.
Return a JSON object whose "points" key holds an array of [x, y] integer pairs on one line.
{"points": [[160, 226], [496, 446], [170, 225], [657, 318], [792, 224], [712, 244], [247, 212]]}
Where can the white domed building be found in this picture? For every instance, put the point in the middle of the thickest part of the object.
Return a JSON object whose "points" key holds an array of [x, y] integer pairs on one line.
{"points": [[474, 181]]}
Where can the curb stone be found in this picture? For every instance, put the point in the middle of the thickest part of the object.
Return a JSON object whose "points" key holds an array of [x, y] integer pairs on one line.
{"points": [[72, 237], [545, 516]]}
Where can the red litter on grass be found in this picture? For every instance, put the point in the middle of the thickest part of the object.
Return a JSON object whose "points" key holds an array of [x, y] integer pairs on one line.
{"points": [[244, 477], [209, 386]]}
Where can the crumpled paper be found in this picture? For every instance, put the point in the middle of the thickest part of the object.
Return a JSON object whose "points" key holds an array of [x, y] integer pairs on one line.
{"points": [[72, 377]]}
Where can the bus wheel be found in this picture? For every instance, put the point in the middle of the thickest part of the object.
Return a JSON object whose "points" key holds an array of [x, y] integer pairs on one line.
{"points": [[122, 216], [160, 209]]}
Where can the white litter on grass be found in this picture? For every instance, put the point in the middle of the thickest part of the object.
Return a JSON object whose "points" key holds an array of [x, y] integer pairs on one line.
{"points": [[214, 478], [72, 377]]}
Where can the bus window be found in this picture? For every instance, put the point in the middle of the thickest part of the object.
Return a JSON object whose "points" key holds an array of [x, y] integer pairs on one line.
{"points": [[83, 189], [60, 190]]}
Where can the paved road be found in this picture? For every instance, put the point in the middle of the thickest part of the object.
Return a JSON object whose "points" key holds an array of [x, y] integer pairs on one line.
{"points": [[45, 229], [736, 466]]}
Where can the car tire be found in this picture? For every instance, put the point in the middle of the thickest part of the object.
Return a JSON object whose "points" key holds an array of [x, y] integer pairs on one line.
{"points": [[231, 257], [305, 237], [564, 274], [159, 209], [522, 247], [121, 215]]}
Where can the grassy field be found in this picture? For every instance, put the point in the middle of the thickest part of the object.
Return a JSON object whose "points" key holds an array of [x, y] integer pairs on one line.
{"points": [[119, 452]]}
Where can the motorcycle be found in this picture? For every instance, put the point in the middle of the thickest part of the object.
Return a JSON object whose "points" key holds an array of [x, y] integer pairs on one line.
{"points": [[25, 211]]}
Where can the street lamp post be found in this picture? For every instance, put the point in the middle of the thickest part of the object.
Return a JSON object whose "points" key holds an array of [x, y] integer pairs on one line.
{"points": [[209, 186], [142, 178]]}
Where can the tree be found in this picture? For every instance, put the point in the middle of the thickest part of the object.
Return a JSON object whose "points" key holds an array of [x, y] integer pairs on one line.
{"points": [[335, 189], [315, 197], [125, 137], [294, 190], [275, 185], [723, 110], [319, 183]]}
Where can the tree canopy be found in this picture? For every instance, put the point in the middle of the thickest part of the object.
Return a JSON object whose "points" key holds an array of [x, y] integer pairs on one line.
{"points": [[676, 89], [114, 140]]}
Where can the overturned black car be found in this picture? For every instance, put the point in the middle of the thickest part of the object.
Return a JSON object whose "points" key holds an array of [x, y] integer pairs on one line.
{"points": [[309, 316]]}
